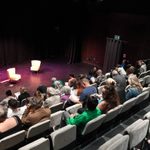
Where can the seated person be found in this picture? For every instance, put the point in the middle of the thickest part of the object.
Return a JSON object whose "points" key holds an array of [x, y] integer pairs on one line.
{"points": [[65, 93], [13, 109], [8, 125], [72, 81], [90, 113], [57, 84], [142, 67], [134, 88], [110, 98], [87, 91], [35, 112], [53, 96], [23, 94]]}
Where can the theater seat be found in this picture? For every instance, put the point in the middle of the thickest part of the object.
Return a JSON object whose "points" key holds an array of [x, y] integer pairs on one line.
{"points": [[12, 74], [35, 65]]}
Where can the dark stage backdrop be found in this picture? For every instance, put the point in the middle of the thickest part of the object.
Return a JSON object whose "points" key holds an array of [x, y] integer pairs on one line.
{"points": [[133, 29], [71, 31], [47, 31]]}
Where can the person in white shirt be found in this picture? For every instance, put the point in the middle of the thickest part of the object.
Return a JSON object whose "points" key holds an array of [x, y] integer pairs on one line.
{"points": [[14, 110]]}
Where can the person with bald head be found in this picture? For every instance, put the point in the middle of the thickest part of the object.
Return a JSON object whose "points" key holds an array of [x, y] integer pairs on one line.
{"points": [[120, 84]]}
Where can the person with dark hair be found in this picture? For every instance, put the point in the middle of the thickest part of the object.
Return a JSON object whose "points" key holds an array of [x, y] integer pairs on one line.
{"points": [[72, 81], [110, 98], [9, 95], [90, 113], [23, 94], [13, 109]]}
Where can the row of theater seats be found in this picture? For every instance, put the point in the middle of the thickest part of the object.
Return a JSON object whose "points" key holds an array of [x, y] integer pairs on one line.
{"points": [[63, 137], [134, 136], [13, 76]]}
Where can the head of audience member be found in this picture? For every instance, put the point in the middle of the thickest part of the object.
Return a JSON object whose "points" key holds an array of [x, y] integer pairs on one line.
{"points": [[42, 89], [52, 91], [99, 72], [134, 81], [140, 62], [92, 72], [130, 69], [34, 103], [92, 103], [81, 76], [72, 80], [13, 104], [39, 95], [8, 93], [85, 82], [3, 113], [110, 82], [114, 72], [23, 90], [66, 90], [110, 95]]}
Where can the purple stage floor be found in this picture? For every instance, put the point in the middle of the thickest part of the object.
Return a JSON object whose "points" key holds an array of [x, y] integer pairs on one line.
{"points": [[32, 80]]}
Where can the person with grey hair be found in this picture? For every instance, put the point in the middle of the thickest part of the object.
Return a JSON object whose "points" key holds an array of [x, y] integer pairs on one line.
{"points": [[53, 96], [8, 125], [65, 91], [35, 112]]}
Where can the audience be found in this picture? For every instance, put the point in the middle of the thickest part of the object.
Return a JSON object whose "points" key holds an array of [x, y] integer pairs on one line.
{"points": [[77, 90]]}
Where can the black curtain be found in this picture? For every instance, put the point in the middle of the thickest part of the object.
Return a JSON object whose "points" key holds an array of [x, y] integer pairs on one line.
{"points": [[112, 54], [12, 51], [73, 52]]}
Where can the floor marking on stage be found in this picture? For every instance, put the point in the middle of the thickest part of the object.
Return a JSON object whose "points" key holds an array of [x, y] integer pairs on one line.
{"points": [[4, 81]]}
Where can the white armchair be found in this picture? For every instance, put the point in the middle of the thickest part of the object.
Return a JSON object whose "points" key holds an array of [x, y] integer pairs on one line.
{"points": [[12, 74], [35, 65]]}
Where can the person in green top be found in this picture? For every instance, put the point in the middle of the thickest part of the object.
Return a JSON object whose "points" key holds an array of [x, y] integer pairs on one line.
{"points": [[90, 113]]}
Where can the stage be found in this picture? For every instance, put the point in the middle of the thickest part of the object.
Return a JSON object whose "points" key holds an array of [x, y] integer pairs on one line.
{"points": [[32, 80]]}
